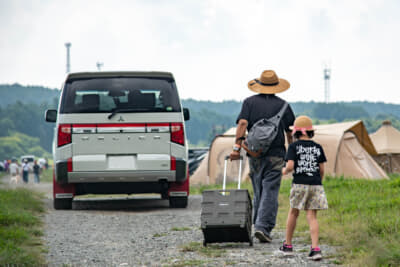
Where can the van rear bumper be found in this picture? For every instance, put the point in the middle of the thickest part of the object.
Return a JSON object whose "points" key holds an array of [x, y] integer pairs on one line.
{"points": [[121, 176], [64, 177]]}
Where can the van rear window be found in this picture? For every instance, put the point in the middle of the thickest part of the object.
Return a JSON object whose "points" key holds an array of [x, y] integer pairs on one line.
{"points": [[100, 95]]}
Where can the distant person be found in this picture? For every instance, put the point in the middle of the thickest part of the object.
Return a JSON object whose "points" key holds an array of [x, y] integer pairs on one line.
{"points": [[265, 166], [6, 165], [46, 164], [36, 171], [306, 159], [42, 162], [25, 171], [14, 171]]}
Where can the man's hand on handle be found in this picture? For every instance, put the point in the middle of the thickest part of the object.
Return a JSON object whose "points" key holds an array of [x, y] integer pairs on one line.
{"points": [[235, 155], [240, 133]]}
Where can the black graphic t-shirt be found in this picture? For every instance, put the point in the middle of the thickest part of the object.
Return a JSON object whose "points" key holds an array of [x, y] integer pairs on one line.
{"points": [[306, 155]]}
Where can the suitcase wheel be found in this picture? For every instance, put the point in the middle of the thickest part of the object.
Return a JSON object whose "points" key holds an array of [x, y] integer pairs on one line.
{"points": [[204, 243], [251, 242]]}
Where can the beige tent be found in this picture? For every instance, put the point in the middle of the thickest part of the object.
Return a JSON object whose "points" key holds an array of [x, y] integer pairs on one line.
{"points": [[347, 146], [211, 169], [348, 150], [387, 144]]}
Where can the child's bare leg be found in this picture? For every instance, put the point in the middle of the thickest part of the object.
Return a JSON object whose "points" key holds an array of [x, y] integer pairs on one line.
{"points": [[291, 224], [314, 227]]}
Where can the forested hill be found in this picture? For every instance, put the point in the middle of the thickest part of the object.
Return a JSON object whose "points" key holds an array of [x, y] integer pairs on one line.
{"points": [[11, 93], [338, 110], [22, 117], [210, 118]]}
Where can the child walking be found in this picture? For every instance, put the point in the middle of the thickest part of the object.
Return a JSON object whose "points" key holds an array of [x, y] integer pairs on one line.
{"points": [[306, 159]]}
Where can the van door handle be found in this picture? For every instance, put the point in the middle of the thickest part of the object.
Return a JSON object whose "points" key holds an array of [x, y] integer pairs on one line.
{"points": [[100, 138], [142, 137], [157, 137]]}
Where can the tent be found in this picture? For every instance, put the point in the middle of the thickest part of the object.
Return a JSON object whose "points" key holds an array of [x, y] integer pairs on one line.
{"points": [[348, 150], [211, 169], [387, 143], [347, 147]]}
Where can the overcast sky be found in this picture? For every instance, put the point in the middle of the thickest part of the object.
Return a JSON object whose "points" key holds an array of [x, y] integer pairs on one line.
{"points": [[212, 47]]}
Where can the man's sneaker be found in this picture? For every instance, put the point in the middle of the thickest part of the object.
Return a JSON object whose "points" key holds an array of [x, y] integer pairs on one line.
{"points": [[263, 237], [315, 254]]}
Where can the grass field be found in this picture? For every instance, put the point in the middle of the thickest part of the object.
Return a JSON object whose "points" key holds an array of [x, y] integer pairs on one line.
{"points": [[363, 219], [47, 176], [20, 228]]}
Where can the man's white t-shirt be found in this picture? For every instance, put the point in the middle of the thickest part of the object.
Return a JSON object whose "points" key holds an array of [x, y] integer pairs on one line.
{"points": [[13, 168], [25, 167]]}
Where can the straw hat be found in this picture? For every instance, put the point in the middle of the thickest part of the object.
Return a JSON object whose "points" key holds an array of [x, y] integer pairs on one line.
{"points": [[269, 83], [302, 124]]}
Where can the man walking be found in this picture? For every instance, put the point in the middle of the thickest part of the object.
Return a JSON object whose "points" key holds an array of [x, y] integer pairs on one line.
{"points": [[36, 171], [25, 171], [265, 166]]}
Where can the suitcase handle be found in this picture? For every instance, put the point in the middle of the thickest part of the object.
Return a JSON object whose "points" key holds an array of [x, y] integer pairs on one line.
{"points": [[240, 171]]}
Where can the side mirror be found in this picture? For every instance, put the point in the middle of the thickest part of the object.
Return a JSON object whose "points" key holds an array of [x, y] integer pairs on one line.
{"points": [[186, 114], [51, 115]]}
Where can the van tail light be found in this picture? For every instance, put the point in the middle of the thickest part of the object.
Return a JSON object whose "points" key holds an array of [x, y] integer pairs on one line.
{"points": [[69, 165], [64, 134], [173, 163], [177, 134]]}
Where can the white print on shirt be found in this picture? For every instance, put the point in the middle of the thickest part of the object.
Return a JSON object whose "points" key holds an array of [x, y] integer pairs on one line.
{"points": [[308, 160]]}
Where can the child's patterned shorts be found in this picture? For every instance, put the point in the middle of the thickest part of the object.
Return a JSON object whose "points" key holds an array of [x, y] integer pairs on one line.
{"points": [[308, 197]]}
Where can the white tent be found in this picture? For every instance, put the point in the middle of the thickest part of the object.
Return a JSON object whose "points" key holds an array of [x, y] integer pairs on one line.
{"points": [[387, 142]]}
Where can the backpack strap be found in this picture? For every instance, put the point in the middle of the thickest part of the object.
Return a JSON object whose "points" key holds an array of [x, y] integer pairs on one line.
{"points": [[279, 115], [283, 109]]}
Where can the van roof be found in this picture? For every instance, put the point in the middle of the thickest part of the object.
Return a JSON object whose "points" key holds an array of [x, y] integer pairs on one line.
{"points": [[109, 74]]}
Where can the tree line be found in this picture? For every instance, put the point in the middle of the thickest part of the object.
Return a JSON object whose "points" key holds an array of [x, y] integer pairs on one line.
{"points": [[23, 129]]}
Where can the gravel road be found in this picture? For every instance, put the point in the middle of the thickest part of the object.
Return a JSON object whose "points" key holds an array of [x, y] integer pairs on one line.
{"points": [[146, 232]]}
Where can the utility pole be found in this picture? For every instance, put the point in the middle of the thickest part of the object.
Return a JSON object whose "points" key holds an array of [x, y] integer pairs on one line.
{"points": [[99, 65], [327, 77], [68, 46]]}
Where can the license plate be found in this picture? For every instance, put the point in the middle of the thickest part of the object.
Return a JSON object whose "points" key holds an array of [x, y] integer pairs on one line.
{"points": [[122, 162]]}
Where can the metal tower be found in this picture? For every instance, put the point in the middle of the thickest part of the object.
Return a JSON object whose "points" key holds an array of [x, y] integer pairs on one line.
{"points": [[327, 77], [99, 65], [68, 45]]}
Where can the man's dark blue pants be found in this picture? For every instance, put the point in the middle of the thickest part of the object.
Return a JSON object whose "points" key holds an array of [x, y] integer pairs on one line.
{"points": [[266, 175]]}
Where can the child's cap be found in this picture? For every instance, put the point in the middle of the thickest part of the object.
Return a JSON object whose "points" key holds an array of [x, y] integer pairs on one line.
{"points": [[302, 124]]}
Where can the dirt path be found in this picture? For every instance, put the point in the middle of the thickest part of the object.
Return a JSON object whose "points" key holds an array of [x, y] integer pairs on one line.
{"points": [[146, 232]]}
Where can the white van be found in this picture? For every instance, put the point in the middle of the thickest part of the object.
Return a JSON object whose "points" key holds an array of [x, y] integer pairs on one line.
{"points": [[30, 159], [120, 133]]}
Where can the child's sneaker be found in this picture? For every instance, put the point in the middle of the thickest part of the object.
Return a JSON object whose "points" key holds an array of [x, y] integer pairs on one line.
{"points": [[315, 254], [287, 250]]}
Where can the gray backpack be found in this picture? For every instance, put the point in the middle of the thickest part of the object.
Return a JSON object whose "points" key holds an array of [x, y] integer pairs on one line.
{"points": [[264, 131]]}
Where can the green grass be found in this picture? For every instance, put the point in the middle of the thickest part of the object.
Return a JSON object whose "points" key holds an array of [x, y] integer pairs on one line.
{"points": [[46, 176], [211, 251], [160, 234], [185, 262], [180, 229], [20, 228], [2, 174], [363, 219], [198, 189]]}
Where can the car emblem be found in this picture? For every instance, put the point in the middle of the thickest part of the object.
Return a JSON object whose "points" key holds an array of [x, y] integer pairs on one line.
{"points": [[120, 118]]}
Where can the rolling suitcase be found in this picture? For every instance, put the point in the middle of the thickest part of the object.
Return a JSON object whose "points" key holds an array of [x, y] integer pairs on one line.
{"points": [[226, 214]]}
